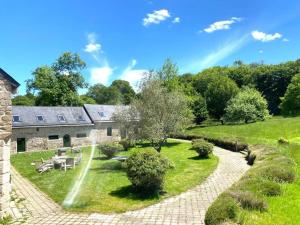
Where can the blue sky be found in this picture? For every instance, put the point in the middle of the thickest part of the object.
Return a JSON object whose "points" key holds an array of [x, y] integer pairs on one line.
{"points": [[122, 39]]}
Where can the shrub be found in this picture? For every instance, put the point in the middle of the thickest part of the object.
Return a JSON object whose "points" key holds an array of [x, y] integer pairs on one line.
{"points": [[283, 141], [249, 200], [248, 105], [146, 170], [259, 185], [109, 150], [278, 173], [223, 209], [126, 143], [202, 147], [200, 109]]}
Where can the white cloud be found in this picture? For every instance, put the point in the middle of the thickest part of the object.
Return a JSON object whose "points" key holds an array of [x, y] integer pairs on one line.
{"points": [[92, 46], [101, 74], [222, 25], [156, 17], [261, 36], [260, 51], [133, 76], [176, 20], [285, 40]]}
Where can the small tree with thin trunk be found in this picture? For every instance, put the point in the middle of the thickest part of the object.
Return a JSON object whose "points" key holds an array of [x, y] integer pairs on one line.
{"points": [[161, 112]]}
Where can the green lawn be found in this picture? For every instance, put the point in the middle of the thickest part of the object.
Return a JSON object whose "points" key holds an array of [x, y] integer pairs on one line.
{"points": [[106, 187], [283, 210]]}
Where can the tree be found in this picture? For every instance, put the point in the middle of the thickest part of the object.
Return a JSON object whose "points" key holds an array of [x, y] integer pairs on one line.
{"points": [[58, 84], [219, 91], [200, 109], [168, 74], [127, 92], [105, 95], [84, 99], [248, 105], [28, 99], [161, 112], [290, 105]]}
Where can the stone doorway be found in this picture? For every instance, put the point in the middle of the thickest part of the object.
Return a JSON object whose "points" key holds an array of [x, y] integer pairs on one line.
{"points": [[67, 140], [21, 145]]}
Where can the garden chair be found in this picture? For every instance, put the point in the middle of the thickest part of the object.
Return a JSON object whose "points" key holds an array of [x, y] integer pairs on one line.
{"points": [[76, 150], [78, 159], [69, 163]]}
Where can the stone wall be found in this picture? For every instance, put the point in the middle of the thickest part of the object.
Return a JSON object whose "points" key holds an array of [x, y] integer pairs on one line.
{"points": [[36, 139], [5, 140], [99, 132]]}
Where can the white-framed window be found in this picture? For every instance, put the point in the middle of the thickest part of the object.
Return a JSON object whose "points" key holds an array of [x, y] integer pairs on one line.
{"points": [[16, 118], [40, 118], [61, 118]]}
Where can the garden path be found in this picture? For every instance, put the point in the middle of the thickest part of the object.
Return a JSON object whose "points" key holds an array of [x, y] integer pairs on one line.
{"points": [[186, 208]]}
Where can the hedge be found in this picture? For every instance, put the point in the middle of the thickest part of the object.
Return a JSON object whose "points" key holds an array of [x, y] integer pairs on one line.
{"points": [[232, 144]]}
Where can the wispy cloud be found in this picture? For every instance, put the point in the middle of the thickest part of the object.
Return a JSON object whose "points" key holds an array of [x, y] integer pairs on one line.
{"points": [[176, 20], [285, 40], [133, 76], [222, 25], [101, 74], [211, 59], [92, 46], [156, 17], [264, 37]]}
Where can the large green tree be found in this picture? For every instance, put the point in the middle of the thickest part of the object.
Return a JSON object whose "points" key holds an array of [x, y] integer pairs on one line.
{"points": [[219, 91], [247, 106], [58, 84], [28, 99], [125, 89], [290, 105]]}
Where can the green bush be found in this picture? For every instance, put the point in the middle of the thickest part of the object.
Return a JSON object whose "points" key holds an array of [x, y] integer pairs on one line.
{"points": [[146, 170], [126, 143], [202, 147], [223, 209], [248, 200], [278, 173], [283, 141], [109, 150]]}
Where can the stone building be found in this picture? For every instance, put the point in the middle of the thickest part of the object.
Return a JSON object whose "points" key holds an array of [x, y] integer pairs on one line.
{"points": [[7, 86], [41, 128]]}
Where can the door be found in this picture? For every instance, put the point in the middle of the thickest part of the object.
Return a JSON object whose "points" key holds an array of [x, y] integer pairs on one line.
{"points": [[67, 141], [21, 145]]}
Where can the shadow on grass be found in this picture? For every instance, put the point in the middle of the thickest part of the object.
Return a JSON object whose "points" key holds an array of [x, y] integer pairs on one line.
{"points": [[129, 192], [166, 145], [199, 158], [100, 158], [108, 167]]}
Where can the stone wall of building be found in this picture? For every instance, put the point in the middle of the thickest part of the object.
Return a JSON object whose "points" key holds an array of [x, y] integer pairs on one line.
{"points": [[5, 140], [37, 139], [99, 132]]}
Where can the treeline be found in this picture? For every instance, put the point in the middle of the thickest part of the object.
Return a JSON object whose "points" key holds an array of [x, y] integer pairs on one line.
{"points": [[239, 92]]}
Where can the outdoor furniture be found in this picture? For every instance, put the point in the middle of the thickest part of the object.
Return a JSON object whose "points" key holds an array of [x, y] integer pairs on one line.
{"points": [[120, 158], [69, 163], [58, 161], [78, 159], [76, 150], [62, 151], [42, 166]]}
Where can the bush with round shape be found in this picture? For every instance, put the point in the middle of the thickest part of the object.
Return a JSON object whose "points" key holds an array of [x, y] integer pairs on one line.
{"points": [[109, 150], [278, 173], [202, 147], [225, 208], [127, 144], [146, 170]]}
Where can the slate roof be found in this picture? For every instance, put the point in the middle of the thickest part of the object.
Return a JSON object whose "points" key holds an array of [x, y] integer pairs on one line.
{"points": [[13, 82], [50, 113], [102, 113]]}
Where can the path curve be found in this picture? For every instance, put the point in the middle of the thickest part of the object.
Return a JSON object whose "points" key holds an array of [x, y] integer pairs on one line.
{"points": [[186, 208]]}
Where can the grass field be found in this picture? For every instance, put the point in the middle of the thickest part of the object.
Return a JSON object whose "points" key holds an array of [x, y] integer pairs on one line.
{"points": [[106, 188], [283, 210]]}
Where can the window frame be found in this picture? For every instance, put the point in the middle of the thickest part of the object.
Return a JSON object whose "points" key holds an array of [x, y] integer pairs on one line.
{"points": [[101, 114], [109, 131], [16, 121], [81, 135], [53, 135], [61, 116], [43, 118]]}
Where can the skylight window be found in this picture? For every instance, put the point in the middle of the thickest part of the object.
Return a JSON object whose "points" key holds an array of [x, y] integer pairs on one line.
{"points": [[39, 118], [80, 118], [61, 118], [16, 118], [101, 114]]}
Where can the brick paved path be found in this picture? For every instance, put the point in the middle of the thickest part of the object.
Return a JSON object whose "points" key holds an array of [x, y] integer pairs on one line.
{"points": [[186, 208]]}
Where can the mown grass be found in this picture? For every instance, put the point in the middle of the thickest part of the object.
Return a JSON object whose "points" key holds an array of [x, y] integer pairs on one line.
{"points": [[283, 209], [106, 188]]}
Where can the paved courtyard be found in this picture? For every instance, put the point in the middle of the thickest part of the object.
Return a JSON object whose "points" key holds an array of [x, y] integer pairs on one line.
{"points": [[186, 208]]}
